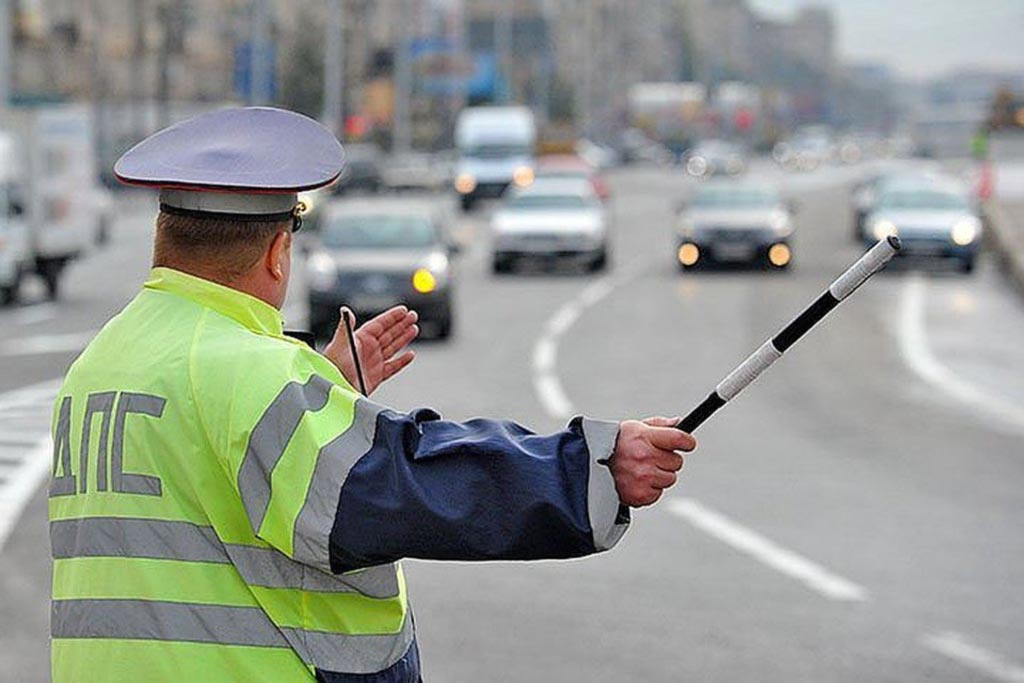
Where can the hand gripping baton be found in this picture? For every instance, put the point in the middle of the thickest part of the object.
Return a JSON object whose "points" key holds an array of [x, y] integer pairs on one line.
{"points": [[759, 361]]}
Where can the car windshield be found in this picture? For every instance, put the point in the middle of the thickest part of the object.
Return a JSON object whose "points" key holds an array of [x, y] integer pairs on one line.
{"points": [[922, 199], [496, 150], [562, 173], [735, 198], [556, 202], [379, 231], [715, 149]]}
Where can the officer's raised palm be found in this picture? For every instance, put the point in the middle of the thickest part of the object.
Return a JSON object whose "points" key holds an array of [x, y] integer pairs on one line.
{"points": [[379, 343]]}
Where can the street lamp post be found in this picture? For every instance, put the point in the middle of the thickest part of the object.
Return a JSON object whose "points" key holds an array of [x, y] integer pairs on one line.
{"points": [[5, 53], [260, 62], [334, 69], [401, 131]]}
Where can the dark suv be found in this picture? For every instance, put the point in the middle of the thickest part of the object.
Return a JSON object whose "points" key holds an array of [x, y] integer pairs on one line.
{"points": [[373, 254]]}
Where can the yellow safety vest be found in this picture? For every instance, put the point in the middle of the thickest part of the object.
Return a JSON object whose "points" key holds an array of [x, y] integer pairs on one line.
{"points": [[198, 459]]}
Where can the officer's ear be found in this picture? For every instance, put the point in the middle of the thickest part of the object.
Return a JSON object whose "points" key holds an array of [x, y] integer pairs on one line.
{"points": [[278, 256]]}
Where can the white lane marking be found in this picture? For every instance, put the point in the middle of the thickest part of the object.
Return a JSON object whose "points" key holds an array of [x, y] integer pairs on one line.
{"points": [[47, 343], [762, 549], [29, 395], [20, 485], [913, 339], [26, 462], [38, 313], [956, 647], [545, 351]]}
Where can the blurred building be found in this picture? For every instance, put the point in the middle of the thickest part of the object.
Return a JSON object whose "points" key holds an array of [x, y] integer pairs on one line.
{"points": [[797, 56], [123, 49], [573, 61]]}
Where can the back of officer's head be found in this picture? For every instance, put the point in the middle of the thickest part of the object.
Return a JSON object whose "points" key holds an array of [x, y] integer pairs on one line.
{"points": [[222, 249]]}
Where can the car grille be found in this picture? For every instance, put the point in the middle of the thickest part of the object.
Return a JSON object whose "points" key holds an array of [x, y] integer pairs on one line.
{"points": [[745, 234], [373, 283], [921, 243]]}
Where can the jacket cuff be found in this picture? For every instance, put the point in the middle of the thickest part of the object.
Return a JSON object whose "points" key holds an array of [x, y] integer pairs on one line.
{"points": [[609, 519]]}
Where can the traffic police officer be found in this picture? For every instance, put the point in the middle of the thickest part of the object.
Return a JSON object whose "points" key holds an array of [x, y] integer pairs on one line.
{"points": [[225, 506]]}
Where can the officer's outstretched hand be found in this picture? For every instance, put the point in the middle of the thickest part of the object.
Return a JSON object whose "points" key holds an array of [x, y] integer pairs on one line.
{"points": [[379, 343], [647, 457]]}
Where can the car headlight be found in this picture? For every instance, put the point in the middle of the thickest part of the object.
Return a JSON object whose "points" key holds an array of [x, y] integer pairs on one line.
{"points": [[432, 275], [465, 183], [688, 253], [965, 231], [423, 281], [883, 228], [437, 263], [322, 271], [781, 225], [697, 166], [522, 176]]}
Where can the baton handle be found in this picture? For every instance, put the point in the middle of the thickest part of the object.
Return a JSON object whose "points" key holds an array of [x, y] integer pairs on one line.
{"points": [[345, 315], [750, 369]]}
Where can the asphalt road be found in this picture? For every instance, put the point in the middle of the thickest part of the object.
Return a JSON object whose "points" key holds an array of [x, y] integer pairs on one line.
{"points": [[854, 516]]}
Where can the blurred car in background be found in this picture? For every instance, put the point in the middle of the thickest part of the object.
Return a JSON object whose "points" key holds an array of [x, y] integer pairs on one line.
{"points": [[731, 221], [636, 148], [806, 151], [496, 151], [932, 216], [862, 202], [715, 157], [53, 199], [571, 166], [864, 198], [102, 201], [362, 172], [412, 171], [553, 218], [15, 253], [372, 254], [597, 155]]}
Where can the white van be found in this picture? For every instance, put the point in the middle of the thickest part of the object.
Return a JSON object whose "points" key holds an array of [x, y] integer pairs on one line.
{"points": [[496, 149], [52, 208], [15, 254]]}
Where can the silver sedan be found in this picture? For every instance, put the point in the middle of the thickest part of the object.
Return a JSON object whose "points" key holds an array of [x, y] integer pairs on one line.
{"points": [[554, 218]]}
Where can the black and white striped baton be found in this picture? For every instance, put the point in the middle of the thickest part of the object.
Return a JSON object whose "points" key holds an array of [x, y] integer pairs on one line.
{"points": [[759, 361]]}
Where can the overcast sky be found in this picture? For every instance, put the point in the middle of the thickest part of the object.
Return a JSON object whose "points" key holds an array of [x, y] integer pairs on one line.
{"points": [[922, 38]]}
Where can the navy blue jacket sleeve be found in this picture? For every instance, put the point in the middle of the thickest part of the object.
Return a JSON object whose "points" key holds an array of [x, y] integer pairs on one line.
{"points": [[477, 490]]}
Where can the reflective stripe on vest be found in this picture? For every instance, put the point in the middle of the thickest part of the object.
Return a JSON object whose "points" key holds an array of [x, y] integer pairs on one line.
{"points": [[270, 438], [333, 463], [171, 540], [200, 623], [267, 444]]}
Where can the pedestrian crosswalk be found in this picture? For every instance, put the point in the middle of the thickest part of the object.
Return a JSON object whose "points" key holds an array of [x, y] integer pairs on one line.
{"points": [[24, 448]]}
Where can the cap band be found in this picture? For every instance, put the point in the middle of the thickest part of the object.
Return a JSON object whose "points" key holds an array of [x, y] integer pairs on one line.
{"points": [[229, 202], [279, 217]]}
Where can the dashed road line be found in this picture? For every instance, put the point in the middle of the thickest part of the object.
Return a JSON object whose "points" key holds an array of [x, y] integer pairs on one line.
{"points": [[958, 648], [545, 352], [31, 315], [69, 342], [917, 353], [767, 552], [17, 441], [24, 455]]}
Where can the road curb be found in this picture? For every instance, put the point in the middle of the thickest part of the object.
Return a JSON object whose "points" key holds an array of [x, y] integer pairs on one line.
{"points": [[1009, 247]]}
